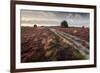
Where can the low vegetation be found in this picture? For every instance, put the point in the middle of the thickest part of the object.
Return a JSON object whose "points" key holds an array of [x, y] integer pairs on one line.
{"points": [[40, 44]]}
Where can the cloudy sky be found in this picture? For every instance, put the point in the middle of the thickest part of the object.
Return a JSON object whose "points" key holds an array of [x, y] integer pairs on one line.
{"points": [[52, 18]]}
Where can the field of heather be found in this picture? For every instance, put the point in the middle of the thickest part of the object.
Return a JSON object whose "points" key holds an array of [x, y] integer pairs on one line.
{"points": [[41, 44], [80, 32]]}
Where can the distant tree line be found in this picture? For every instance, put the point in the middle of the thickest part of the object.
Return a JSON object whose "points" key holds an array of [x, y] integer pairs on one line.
{"points": [[64, 24]]}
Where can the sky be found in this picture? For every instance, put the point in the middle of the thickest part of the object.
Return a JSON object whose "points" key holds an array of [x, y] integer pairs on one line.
{"points": [[54, 18]]}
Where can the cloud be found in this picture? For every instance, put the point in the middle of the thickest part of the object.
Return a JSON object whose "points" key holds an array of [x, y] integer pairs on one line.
{"points": [[54, 18]]}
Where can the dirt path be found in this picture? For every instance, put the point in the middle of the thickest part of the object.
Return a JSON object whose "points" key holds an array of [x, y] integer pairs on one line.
{"points": [[80, 45]]}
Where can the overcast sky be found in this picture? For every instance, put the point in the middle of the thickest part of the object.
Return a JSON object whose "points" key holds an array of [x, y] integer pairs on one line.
{"points": [[52, 18]]}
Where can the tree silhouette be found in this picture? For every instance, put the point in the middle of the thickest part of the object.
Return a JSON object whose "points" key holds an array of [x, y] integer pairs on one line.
{"points": [[35, 25], [64, 24]]}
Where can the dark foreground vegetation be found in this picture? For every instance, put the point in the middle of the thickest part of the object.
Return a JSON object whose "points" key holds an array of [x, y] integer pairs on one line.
{"points": [[40, 44]]}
